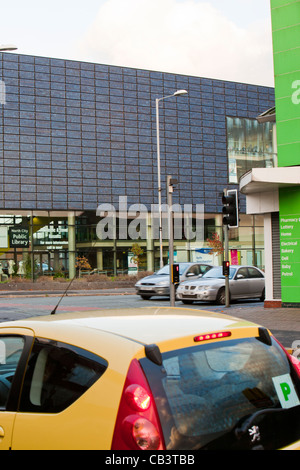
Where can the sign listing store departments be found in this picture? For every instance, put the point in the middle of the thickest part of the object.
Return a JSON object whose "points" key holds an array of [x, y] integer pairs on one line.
{"points": [[290, 244]]}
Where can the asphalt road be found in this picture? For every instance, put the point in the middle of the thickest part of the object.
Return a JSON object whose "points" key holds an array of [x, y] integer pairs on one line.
{"points": [[18, 306], [284, 323]]}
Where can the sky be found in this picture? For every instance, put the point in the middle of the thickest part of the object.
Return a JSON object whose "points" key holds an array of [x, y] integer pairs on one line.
{"points": [[222, 39]]}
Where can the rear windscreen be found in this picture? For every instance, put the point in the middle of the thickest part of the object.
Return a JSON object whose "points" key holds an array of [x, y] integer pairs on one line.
{"points": [[236, 394]]}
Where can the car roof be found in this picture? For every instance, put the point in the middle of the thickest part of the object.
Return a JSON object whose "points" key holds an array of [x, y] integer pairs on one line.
{"points": [[143, 325], [191, 262], [240, 266]]}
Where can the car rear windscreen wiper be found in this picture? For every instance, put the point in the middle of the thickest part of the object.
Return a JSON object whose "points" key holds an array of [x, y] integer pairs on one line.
{"points": [[241, 430]]}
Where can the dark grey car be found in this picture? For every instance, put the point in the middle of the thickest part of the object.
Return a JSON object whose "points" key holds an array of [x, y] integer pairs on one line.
{"points": [[158, 284]]}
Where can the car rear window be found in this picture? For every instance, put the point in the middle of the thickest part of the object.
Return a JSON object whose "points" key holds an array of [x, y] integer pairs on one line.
{"points": [[57, 375], [237, 394]]}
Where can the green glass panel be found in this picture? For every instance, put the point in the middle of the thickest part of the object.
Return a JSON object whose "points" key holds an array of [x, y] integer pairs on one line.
{"points": [[287, 61], [286, 38], [284, 16], [288, 85], [280, 3], [286, 111], [289, 132], [289, 154]]}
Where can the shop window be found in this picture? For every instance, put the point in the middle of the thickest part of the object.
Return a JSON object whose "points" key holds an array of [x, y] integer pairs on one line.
{"points": [[249, 145]]}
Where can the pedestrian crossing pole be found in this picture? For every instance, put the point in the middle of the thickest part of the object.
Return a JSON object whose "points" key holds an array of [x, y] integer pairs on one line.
{"points": [[226, 249], [226, 243], [170, 182]]}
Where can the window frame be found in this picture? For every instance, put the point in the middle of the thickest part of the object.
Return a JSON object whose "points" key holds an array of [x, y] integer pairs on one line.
{"points": [[15, 389], [51, 343]]}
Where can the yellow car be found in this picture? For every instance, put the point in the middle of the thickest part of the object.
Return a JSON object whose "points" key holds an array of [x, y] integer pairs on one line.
{"points": [[145, 379]]}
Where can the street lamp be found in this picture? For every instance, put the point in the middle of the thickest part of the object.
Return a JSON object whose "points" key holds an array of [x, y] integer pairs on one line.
{"points": [[7, 47], [177, 93]]}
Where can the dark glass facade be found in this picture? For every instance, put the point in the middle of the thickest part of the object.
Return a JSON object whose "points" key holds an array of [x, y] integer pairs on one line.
{"points": [[74, 135]]}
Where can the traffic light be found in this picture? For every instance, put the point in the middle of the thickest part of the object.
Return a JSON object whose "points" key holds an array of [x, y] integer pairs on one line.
{"points": [[231, 208], [175, 273], [226, 266]]}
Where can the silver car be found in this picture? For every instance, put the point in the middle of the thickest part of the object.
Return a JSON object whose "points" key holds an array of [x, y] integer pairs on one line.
{"points": [[244, 282], [158, 284]]}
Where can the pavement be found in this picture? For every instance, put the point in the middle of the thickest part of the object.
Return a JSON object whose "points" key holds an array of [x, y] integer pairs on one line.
{"points": [[57, 293], [279, 318]]}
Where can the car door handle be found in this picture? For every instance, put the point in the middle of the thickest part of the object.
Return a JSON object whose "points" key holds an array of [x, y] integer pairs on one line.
{"points": [[2, 433]]}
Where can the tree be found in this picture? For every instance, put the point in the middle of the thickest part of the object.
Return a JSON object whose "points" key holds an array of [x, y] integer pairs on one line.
{"points": [[82, 263], [137, 253], [215, 244]]}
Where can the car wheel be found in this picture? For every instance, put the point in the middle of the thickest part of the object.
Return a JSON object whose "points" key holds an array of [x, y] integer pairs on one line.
{"points": [[146, 297], [262, 297], [221, 297], [189, 302]]}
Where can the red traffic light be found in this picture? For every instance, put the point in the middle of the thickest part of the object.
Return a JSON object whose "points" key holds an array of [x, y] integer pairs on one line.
{"points": [[226, 266], [175, 273]]}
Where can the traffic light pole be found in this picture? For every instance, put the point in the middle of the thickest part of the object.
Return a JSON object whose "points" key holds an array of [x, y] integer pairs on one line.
{"points": [[170, 183], [230, 220], [226, 246]]}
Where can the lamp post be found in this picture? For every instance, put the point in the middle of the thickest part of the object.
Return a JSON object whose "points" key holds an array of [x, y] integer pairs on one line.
{"points": [[7, 47], [177, 93]]}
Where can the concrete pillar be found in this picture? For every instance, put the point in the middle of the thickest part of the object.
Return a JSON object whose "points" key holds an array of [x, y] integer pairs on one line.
{"points": [[56, 266], [100, 259], [72, 245]]}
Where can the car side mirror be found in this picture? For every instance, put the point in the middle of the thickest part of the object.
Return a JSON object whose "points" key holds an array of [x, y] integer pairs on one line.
{"points": [[191, 274]]}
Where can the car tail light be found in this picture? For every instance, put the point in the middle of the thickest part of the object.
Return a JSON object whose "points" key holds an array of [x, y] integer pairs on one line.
{"points": [[219, 334], [137, 397], [137, 424], [141, 432]]}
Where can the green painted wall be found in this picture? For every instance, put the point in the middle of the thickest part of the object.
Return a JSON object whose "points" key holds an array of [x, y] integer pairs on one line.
{"points": [[286, 49]]}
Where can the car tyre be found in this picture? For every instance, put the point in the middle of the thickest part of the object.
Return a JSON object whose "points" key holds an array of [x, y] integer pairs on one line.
{"points": [[221, 296], [263, 295]]}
